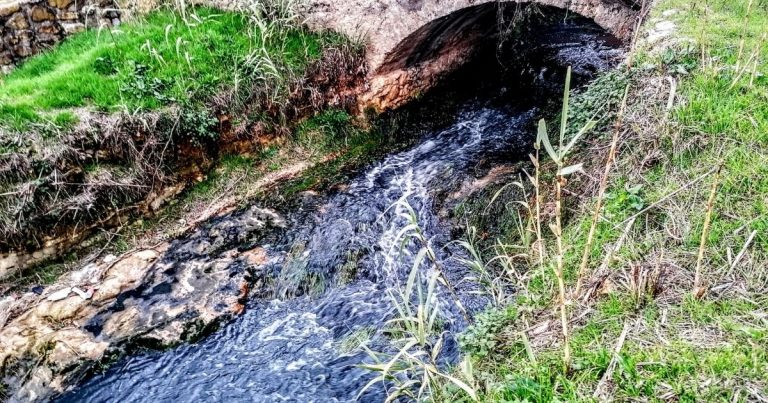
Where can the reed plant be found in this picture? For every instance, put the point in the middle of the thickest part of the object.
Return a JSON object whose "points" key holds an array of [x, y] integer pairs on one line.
{"points": [[416, 332]]}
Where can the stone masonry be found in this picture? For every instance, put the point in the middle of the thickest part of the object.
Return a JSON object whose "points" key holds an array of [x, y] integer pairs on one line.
{"points": [[30, 26]]}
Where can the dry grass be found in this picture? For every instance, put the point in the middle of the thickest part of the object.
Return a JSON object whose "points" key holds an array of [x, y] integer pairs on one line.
{"points": [[683, 206]]}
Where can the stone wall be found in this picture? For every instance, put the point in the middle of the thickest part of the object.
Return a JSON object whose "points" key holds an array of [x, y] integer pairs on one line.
{"points": [[30, 26]]}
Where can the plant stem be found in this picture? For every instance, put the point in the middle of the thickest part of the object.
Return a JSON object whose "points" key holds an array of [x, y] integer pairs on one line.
{"points": [[601, 193], [560, 181], [743, 36], [539, 239], [705, 231]]}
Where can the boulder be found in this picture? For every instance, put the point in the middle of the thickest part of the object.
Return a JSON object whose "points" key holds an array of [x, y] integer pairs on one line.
{"points": [[18, 22], [41, 13]]}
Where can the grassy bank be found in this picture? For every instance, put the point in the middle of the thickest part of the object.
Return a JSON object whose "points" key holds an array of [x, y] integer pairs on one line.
{"points": [[672, 305], [96, 130], [661, 295], [163, 58]]}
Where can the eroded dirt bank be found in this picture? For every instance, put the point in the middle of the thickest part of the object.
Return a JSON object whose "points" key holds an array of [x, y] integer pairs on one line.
{"points": [[111, 169]]}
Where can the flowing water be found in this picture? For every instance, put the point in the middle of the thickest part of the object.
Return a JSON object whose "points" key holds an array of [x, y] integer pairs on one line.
{"points": [[291, 347]]}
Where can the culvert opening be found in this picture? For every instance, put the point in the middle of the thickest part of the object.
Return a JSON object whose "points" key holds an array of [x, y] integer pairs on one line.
{"points": [[518, 51]]}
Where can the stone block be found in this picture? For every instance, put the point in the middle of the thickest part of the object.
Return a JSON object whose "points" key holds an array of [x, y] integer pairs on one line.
{"points": [[13, 38], [41, 13], [17, 21], [23, 49], [6, 58], [71, 28], [8, 9], [49, 27], [68, 16], [47, 39], [60, 4]]}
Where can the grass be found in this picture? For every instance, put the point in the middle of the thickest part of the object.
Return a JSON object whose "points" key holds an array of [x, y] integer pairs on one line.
{"points": [[640, 329], [148, 63]]}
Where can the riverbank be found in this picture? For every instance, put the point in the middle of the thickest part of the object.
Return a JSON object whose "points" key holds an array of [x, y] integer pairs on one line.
{"points": [[664, 290], [114, 124]]}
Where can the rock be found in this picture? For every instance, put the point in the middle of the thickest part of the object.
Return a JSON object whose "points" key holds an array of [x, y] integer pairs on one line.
{"points": [[82, 294], [108, 289], [48, 27], [85, 275], [22, 46], [68, 16], [125, 273], [18, 22], [6, 58], [47, 39], [8, 9], [61, 310], [60, 4], [36, 387], [73, 28], [661, 30], [160, 296], [40, 13], [59, 295], [74, 345]]}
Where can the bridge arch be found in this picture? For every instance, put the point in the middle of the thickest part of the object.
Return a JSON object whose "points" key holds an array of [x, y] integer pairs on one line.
{"points": [[412, 43]]}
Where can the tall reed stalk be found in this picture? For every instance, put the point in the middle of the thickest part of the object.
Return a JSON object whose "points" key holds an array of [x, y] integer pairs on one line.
{"points": [[743, 38], [559, 156], [698, 286], [601, 193], [537, 190]]}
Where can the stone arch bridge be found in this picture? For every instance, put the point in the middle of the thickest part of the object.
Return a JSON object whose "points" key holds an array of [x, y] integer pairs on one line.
{"points": [[411, 43]]}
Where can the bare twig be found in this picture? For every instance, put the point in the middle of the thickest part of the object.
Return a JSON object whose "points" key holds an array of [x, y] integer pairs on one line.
{"points": [[743, 249], [614, 360]]}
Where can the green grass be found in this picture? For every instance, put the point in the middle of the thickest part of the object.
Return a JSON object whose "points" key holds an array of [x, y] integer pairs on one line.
{"points": [[678, 347], [733, 119], [146, 64], [645, 370]]}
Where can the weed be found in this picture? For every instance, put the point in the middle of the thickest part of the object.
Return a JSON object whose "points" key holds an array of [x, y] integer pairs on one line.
{"points": [[198, 124], [480, 339], [356, 340]]}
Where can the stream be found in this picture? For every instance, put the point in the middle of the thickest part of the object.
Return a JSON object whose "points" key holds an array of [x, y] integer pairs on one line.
{"points": [[332, 264]]}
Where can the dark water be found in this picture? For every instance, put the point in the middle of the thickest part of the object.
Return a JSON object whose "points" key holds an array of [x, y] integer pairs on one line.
{"points": [[290, 348]]}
